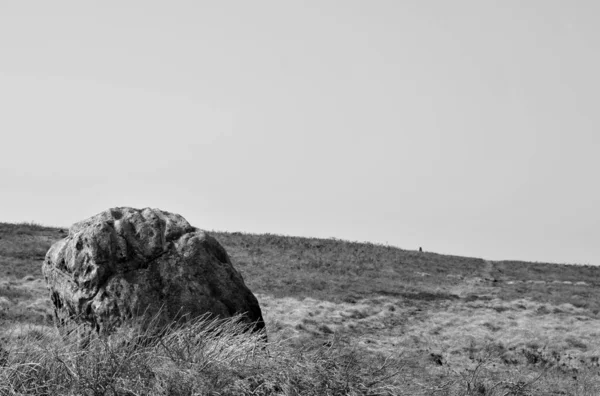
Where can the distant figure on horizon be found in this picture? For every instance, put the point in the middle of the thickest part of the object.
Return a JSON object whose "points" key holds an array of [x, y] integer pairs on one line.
{"points": [[420, 249]]}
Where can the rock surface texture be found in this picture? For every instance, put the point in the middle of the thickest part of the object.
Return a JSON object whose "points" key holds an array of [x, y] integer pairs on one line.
{"points": [[129, 263]]}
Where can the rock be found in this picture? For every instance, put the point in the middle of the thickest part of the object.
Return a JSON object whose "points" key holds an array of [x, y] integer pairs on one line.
{"points": [[436, 359], [127, 263], [4, 303]]}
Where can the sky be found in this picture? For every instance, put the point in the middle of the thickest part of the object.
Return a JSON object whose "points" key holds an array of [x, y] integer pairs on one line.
{"points": [[467, 127]]}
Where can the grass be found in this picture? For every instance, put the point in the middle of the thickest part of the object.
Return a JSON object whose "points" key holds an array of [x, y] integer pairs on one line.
{"points": [[338, 270], [216, 357], [23, 246], [343, 318], [203, 357]]}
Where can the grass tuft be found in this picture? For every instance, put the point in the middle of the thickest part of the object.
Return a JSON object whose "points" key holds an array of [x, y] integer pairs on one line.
{"points": [[204, 356]]}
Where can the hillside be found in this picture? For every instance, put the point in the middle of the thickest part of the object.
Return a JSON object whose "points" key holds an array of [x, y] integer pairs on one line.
{"points": [[451, 320], [337, 270]]}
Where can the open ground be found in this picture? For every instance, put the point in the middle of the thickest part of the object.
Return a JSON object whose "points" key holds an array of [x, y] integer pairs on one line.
{"points": [[435, 324]]}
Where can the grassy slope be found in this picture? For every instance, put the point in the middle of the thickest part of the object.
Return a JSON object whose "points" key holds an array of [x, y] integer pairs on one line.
{"points": [[23, 247], [338, 270], [427, 304]]}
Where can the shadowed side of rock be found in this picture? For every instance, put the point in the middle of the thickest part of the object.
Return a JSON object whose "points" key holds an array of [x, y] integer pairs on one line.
{"points": [[128, 263]]}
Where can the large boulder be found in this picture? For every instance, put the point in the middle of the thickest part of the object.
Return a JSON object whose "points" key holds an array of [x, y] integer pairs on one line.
{"points": [[127, 263]]}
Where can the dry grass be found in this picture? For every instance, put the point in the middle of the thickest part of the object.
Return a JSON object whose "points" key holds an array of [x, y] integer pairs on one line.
{"points": [[23, 246], [204, 357], [342, 317]]}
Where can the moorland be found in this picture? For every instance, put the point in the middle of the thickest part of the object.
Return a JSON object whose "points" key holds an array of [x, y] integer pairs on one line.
{"points": [[343, 318]]}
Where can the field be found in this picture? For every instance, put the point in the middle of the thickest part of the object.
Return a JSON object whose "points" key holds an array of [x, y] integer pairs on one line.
{"points": [[342, 318]]}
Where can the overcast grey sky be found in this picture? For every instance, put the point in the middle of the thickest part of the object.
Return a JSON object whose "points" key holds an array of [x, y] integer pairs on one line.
{"points": [[465, 127]]}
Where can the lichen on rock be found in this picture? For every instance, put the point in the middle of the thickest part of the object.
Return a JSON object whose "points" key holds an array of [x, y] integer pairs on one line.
{"points": [[127, 263]]}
